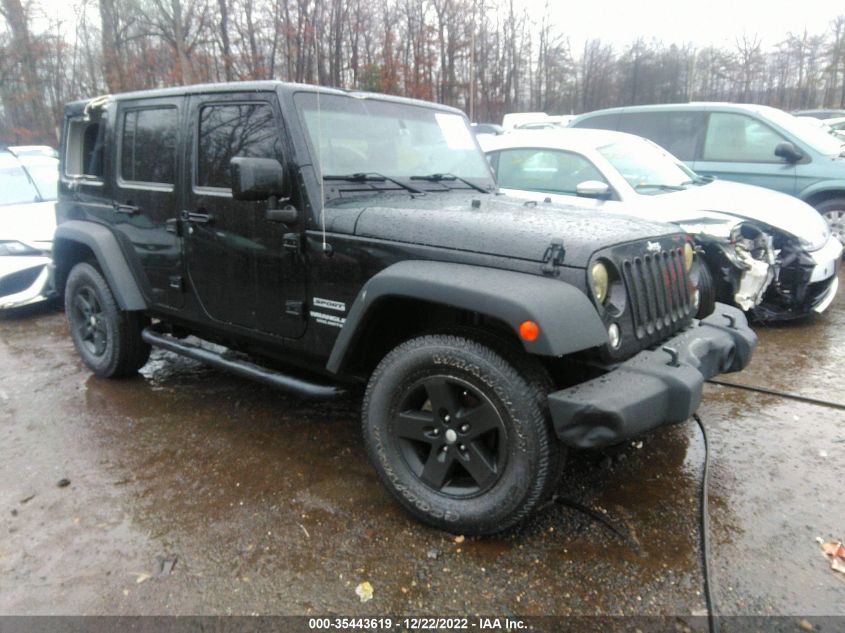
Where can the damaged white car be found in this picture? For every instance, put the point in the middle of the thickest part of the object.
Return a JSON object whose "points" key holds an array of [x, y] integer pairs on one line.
{"points": [[27, 223], [768, 253]]}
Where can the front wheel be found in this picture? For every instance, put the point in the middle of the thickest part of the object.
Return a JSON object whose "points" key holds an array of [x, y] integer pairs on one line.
{"points": [[833, 211], [458, 435], [107, 338]]}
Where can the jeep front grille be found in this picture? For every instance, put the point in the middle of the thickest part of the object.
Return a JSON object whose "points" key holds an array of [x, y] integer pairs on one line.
{"points": [[659, 292]]}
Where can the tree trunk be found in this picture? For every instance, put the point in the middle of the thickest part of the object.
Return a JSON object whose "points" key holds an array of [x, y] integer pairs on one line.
{"points": [[34, 114], [224, 39]]}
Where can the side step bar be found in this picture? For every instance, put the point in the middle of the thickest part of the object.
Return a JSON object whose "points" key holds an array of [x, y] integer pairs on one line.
{"points": [[283, 382]]}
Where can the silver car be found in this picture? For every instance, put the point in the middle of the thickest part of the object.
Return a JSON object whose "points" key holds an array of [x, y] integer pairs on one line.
{"points": [[766, 252], [27, 221]]}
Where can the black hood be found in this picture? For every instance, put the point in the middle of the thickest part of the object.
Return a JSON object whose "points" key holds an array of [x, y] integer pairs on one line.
{"points": [[499, 225]]}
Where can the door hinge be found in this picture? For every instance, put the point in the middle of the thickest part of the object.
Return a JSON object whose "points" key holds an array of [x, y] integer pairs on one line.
{"points": [[295, 308], [553, 258], [292, 242]]}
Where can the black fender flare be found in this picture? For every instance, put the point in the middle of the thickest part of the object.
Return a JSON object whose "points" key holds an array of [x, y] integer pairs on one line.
{"points": [[567, 319], [110, 257]]}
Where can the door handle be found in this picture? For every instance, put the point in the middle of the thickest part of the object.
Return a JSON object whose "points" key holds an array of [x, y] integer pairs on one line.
{"points": [[197, 218], [126, 209]]}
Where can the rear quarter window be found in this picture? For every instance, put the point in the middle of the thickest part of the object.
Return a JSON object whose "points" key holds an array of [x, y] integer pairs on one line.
{"points": [[85, 148]]}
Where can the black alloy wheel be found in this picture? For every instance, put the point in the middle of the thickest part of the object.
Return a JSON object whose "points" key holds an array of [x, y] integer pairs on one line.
{"points": [[87, 319], [449, 435]]}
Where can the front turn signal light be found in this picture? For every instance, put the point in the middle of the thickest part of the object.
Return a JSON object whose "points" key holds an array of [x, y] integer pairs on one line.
{"points": [[529, 330]]}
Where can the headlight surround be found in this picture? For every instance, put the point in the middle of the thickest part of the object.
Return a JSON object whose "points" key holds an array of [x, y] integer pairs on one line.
{"points": [[689, 256], [600, 281]]}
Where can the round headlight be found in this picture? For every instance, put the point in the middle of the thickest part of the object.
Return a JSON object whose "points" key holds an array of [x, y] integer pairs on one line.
{"points": [[600, 280], [689, 254]]}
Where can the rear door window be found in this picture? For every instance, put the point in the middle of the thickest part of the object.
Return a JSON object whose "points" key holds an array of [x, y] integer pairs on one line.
{"points": [[148, 146], [739, 138], [679, 133]]}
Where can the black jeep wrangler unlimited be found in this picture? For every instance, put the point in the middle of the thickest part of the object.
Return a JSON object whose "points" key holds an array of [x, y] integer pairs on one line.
{"points": [[326, 242]]}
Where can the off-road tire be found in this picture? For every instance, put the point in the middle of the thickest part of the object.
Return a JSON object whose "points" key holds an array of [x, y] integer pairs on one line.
{"points": [[524, 442], [107, 338]]}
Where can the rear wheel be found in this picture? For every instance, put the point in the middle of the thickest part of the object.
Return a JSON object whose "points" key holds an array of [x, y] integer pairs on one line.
{"points": [[833, 211], [107, 338], [458, 434]]}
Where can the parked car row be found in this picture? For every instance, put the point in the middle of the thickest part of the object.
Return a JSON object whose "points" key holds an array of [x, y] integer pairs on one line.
{"points": [[365, 246]]}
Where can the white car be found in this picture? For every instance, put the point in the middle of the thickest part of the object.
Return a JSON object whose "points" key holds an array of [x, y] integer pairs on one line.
{"points": [[27, 222], [766, 252]]}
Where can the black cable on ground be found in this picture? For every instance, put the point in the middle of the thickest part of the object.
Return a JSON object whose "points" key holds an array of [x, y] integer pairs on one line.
{"points": [[594, 515], [712, 618], [780, 394]]}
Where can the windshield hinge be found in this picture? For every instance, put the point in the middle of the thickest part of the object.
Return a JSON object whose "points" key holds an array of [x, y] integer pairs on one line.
{"points": [[553, 258]]}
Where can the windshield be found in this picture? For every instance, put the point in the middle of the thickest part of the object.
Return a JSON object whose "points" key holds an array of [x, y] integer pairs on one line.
{"points": [[46, 178], [368, 136], [15, 186], [816, 137], [647, 168]]}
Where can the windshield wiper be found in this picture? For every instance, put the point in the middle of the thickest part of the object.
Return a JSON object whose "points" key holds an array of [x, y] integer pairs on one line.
{"points": [[654, 185], [372, 176], [442, 177], [698, 180]]}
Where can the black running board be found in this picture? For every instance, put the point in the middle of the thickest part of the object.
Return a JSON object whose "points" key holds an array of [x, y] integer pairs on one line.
{"points": [[243, 368]]}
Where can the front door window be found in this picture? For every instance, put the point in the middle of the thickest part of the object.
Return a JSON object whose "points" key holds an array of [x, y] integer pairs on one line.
{"points": [[739, 138]]}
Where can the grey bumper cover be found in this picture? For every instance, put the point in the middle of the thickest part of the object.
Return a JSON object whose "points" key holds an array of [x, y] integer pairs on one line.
{"points": [[654, 388]]}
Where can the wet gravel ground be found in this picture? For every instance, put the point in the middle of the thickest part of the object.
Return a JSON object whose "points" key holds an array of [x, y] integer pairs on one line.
{"points": [[268, 505]]}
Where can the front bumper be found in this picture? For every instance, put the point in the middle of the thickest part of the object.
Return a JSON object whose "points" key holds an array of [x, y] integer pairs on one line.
{"points": [[807, 285], [24, 280], [654, 388]]}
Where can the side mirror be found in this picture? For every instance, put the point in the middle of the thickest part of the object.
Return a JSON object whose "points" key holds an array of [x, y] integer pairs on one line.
{"points": [[256, 178], [593, 189], [788, 152]]}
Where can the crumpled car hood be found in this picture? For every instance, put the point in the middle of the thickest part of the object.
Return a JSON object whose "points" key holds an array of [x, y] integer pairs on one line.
{"points": [[31, 223], [502, 226], [778, 210]]}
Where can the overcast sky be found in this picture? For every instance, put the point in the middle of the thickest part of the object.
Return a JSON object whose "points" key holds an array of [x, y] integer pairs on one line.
{"points": [[717, 22]]}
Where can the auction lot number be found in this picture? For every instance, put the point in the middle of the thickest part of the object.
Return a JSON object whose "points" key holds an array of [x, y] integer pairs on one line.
{"points": [[414, 624]]}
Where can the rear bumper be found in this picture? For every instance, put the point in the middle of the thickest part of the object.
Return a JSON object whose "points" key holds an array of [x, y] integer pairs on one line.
{"points": [[654, 388]]}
